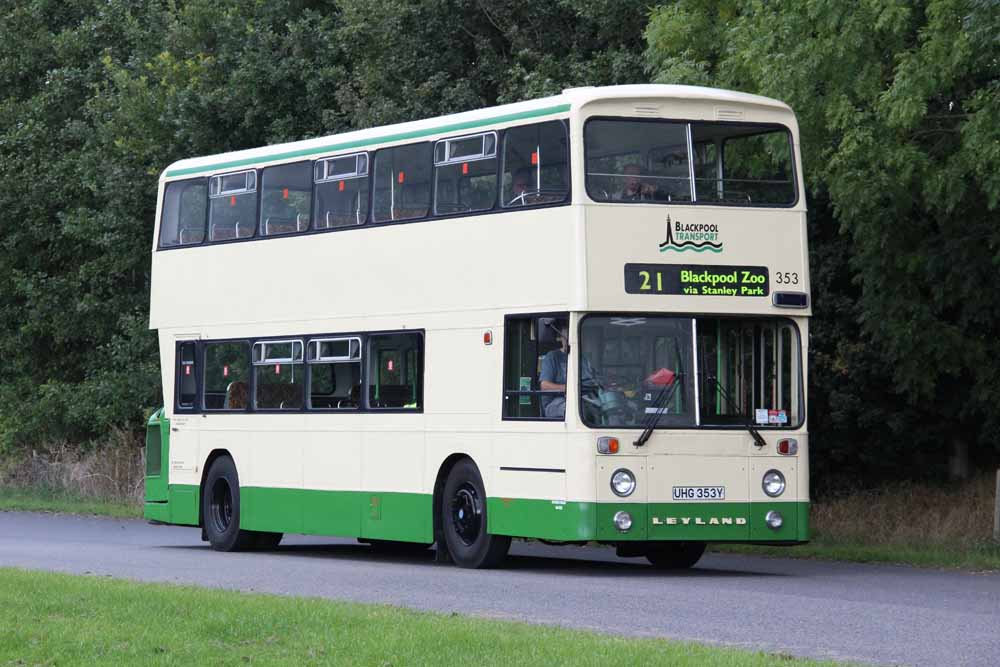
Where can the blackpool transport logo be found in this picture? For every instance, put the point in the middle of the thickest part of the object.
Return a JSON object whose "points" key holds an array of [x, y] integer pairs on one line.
{"points": [[697, 237]]}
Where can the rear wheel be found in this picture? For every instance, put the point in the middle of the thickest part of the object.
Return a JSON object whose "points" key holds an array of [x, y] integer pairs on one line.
{"points": [[220, 501], [463, 520], [674, 555]]}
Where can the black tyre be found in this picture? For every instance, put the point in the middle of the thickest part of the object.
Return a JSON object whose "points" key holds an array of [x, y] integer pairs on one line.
{"points": [[674, 555], [220, 502], [463, 520]]}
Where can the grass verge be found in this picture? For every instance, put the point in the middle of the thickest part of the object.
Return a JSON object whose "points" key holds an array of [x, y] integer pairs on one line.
{"points": [[912, 524], [70, 620], [978, 557], [22, 500]]}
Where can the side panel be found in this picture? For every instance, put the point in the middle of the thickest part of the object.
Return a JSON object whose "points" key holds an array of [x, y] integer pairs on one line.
{"points": [[157, 451], [392, 461]]}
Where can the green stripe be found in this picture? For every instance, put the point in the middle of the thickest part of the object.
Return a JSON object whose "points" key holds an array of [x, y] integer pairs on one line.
{"points": [[377, 515], [543, 519], [408, 517], [595, 521], [364, 143]]}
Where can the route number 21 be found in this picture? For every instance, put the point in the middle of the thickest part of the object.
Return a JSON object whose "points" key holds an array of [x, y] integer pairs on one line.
{"points": [[646, 284]]}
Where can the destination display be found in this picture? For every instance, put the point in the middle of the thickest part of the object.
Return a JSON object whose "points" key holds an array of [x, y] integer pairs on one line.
{"points": [[696, 280]]}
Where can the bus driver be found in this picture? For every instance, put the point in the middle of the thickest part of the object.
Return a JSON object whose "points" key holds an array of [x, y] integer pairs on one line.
{"points": [[553, 375]]}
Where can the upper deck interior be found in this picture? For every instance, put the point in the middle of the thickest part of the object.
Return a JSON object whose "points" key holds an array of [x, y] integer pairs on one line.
{"points": [[645, 100], [567, 250]]}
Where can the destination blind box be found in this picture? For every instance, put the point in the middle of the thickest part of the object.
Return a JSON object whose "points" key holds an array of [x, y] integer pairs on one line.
{"points": [[696, 280]]}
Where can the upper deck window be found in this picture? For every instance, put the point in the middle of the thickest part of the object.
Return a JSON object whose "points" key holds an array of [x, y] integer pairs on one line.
{"points": [[637, 160], [535, 164], [285, 196], [184, 212], [232, 211], [465, 174], [743, 164], [657, 161], [402, 182], [341, 194]]}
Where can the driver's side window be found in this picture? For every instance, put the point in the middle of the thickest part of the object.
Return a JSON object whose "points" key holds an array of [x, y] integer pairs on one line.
{"points": [[535, 165], [533, 352]]}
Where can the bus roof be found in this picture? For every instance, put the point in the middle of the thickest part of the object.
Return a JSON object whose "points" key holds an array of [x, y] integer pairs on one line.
{"points": [[556, 105]]}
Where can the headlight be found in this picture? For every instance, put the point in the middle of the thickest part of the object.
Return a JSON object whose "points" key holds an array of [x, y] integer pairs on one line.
{"points": [[623, 521], [774, 520], [773, 483], [622, 482]]}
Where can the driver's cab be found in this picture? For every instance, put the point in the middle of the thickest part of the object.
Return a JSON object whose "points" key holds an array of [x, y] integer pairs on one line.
{"points": [[536, 366]]}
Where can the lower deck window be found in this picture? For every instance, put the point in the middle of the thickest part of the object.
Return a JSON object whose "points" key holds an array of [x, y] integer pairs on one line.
{"points": [[227, 375], [334, 373], [279, 375], [320, 373], [395, 371]]}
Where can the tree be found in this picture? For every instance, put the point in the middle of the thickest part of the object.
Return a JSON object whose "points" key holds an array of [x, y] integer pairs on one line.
{"points": [[897, 102], [97, 97]]}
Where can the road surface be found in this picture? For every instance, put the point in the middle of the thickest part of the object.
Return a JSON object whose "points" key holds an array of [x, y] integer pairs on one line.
{"points": [[868, 613]]}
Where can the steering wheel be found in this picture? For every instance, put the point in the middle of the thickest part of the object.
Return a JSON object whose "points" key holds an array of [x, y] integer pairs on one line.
{"points": [[548, 194], [522, 198]]}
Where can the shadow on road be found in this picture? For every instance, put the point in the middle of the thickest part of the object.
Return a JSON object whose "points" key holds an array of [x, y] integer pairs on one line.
{"points": [[601, 564]]}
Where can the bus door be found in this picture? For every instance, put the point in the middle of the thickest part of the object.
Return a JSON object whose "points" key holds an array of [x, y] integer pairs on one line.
{"points": [[180, 455]]}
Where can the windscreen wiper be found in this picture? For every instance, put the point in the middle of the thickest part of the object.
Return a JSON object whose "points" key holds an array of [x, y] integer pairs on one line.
{"points": [[757, 438], [659, 405]]}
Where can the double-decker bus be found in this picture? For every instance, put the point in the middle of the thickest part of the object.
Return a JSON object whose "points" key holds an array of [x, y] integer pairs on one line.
{"points": [[577, 319]]}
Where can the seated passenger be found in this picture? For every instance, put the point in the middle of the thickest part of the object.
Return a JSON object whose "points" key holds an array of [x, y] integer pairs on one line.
{"points": [[635, 188], [237, 396]]}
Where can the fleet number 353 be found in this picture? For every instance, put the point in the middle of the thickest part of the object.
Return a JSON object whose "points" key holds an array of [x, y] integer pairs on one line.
{"points": [[786, 278]]}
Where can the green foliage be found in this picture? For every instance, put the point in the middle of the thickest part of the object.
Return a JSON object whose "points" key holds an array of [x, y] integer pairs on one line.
{"points": [[897, 103], [97, 97]]}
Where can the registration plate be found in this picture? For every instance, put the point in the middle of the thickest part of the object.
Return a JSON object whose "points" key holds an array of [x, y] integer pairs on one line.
{"points": [[699, 493]]}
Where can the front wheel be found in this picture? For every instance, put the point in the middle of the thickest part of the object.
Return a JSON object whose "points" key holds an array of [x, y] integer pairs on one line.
{"points": [[463, 520], [674, 555]]}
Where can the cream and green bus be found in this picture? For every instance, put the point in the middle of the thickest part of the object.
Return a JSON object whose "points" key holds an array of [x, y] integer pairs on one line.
{"points": [[578, 319]]}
